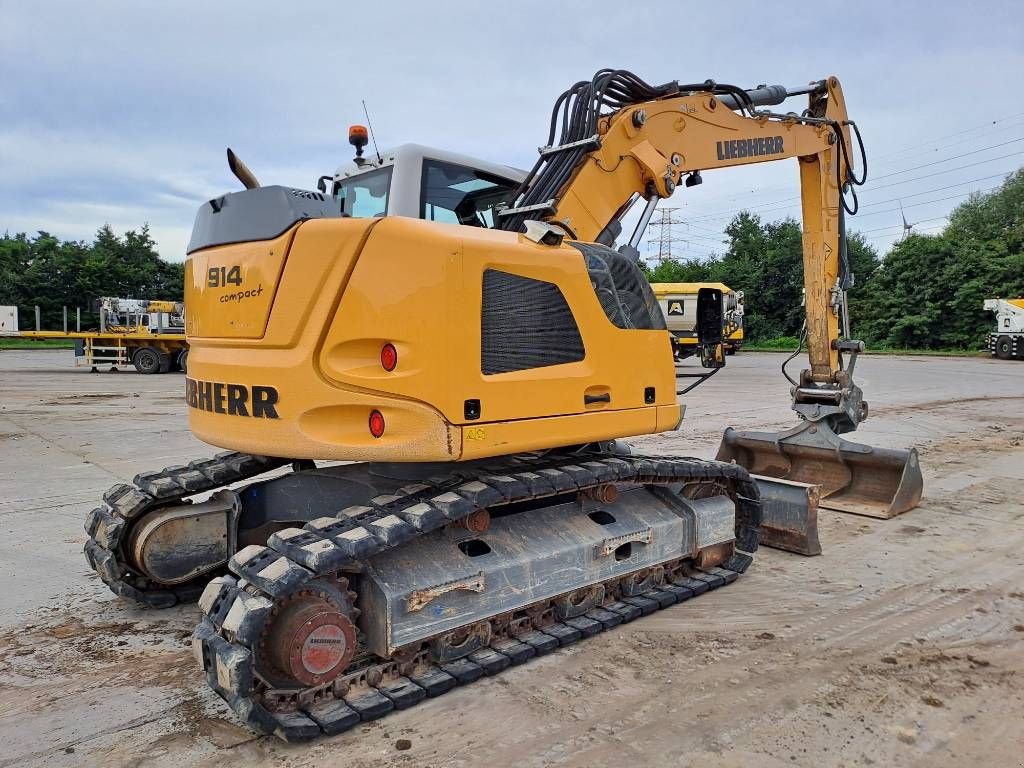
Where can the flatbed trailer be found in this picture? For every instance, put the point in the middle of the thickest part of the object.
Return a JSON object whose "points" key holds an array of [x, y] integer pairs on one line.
{"points": [[147, 335], [148, 352]]}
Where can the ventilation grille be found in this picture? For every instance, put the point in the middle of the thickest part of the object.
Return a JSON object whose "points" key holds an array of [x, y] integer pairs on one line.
{"points": [[525, 323], [622, 289]]}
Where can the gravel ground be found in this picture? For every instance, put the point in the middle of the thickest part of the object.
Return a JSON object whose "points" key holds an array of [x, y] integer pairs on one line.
{"points": [[902, 645]]}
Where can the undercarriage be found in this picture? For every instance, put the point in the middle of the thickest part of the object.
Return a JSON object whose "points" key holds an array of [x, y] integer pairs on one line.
{"points": [[420, 578]]}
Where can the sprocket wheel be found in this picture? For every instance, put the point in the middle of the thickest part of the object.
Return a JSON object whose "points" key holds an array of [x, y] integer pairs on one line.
{"points": [[309, 639]]}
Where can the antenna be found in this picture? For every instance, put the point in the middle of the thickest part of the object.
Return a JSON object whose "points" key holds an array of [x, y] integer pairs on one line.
{"points": [[380, 160]]}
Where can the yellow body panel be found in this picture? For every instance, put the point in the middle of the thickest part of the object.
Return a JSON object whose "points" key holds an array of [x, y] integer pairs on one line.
{"points": [[349, 286]]}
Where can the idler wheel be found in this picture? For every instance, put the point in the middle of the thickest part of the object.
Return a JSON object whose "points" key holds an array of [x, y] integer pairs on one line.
{"points": [[309, 640]]}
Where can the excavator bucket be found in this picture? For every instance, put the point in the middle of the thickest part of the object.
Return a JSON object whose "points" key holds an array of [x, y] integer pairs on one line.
{"points": [[877, 482]]}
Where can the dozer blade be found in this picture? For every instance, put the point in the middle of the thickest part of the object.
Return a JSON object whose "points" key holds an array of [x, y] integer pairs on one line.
{"points": [[789, 515], [864, 480]]}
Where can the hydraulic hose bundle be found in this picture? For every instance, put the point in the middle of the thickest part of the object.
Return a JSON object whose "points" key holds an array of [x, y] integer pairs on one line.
{"points": [[574, 120]]}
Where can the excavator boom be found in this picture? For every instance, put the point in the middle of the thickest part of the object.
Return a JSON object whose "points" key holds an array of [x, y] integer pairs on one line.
{"points": [[644, 147]]}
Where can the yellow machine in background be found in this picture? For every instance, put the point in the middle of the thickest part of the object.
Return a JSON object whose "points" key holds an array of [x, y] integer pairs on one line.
{"points": [[678, 302], [478, 364]]}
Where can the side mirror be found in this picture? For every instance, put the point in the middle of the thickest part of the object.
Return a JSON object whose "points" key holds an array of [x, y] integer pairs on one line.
{"points": [[709, 328]]}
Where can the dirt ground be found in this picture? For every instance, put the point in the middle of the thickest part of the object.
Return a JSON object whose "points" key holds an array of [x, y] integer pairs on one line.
{"points": [[903, 645]]}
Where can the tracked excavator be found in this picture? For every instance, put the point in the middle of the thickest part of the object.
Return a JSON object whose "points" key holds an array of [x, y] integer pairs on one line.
{"points": [[445, 353]]}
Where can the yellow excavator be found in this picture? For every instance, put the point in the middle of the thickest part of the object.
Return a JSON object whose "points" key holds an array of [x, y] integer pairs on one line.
{"points": [[445, 352]]}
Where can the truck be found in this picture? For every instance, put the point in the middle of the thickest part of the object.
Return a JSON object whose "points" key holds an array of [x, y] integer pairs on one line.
{"points": [[148, 334], [678, 303], [1007, 340]]}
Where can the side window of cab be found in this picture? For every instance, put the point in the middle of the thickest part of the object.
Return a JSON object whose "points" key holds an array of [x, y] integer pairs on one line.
{"points": [[366, 195]]}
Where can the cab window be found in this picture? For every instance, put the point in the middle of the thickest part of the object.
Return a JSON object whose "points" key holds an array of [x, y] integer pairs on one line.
{"points": [[366, 195], [460, 195]]}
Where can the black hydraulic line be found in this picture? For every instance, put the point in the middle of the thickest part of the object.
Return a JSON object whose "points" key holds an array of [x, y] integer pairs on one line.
{"points": [[574, 118]]}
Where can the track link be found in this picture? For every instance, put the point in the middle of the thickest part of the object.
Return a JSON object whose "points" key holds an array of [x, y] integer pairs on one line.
{"points": [[124, 505], [236, 608]]}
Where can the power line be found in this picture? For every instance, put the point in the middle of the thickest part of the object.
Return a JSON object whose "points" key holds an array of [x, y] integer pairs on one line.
{"points": [[951, 135], [892, 234], [925, 202], [775, 207], [954, 157], [900, 152], [950, 170], [900, 226]]}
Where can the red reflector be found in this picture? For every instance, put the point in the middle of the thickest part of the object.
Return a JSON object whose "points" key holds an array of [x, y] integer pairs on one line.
{"points": [[388, 357], [376, 423]]}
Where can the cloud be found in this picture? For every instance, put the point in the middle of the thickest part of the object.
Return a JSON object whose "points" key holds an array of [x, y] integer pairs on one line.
{"points": [[128, 107]]}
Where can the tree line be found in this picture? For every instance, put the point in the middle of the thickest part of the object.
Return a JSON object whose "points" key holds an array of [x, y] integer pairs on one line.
{"points": [[926, 293], [49, 273]]}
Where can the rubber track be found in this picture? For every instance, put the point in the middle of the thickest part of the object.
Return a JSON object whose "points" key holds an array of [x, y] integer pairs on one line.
{"points": [[108, 525], [236, 610]]}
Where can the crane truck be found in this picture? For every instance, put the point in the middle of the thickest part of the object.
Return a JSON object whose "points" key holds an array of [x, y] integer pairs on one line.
{"points": [[1007, 340], [466, 340]]}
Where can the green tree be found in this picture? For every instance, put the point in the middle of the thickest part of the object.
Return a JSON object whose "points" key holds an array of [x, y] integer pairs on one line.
{"points": [[46, 272], [671, 271]]}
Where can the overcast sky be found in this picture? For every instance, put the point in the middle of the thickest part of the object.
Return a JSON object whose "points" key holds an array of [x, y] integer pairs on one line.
{"points": [[119, 112]]}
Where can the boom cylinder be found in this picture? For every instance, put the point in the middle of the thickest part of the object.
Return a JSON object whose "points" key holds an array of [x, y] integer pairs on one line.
{"points": [[770, 95]]}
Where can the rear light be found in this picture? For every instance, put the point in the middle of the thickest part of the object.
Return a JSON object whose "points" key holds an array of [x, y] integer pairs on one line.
{"points": [[376, 423], [388, 357]]}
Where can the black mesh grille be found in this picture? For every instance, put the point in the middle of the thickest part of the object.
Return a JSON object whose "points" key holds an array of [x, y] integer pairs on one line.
{"points": [[525, 323], [622, 289]]}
